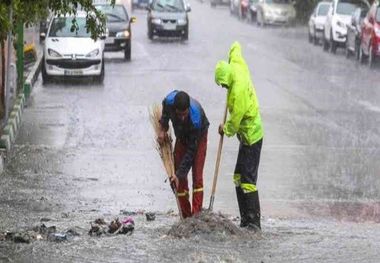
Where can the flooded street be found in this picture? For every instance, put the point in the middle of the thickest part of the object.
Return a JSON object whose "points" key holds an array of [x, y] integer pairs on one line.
{"points": [[86, 151]]}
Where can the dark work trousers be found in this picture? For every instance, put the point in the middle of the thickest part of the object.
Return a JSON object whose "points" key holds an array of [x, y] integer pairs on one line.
{"points": [[245, 179], [197, 172]]}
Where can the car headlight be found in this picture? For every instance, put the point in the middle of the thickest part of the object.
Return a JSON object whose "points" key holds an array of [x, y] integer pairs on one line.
{"points": [[53, 53], [93, 53], [123, 34], [156, 21], [182, 22], [340, 24]]}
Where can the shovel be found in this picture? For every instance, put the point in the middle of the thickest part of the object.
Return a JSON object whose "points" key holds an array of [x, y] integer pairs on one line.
{"points": [[217, 164]]}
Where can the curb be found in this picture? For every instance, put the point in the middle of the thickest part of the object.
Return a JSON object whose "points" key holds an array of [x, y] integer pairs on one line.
{"points": [[13, 124]]}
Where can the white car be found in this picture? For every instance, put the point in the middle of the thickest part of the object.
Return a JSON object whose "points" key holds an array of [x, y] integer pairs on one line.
{"points": [[275, 12], [71, 54], [338, 17], [317, 22]]}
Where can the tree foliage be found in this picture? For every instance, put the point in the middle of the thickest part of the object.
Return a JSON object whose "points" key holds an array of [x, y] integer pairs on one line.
{"points": [[31, 11]]}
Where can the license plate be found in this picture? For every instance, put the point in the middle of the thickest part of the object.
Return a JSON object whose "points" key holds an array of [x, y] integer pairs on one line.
{"points": [[109, 40], [170, 26], [73, 72]]}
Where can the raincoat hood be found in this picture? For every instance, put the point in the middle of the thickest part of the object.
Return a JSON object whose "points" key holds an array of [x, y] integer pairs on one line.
{"points": [[223, 73]]}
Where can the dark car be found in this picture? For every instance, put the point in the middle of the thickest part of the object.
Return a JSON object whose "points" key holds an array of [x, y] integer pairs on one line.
{"points": [[252, 10], [354, 32], [168, 18], [140, 4], [119, 36]]}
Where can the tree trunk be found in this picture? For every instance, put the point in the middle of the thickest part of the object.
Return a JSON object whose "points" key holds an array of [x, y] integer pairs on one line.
{"points": [[2, 78]]}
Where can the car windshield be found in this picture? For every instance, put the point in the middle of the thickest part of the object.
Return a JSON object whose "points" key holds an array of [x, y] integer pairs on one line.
{"points": [[278, 1], [347, 7], [114, 14], [323, 9], [169, 5], [63, 27]]}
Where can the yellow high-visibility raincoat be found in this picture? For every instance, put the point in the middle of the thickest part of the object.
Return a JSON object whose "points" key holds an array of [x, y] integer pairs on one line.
{"points": [[244, 119]]}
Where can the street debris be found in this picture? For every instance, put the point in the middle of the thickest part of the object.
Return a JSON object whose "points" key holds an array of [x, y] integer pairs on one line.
{"points": [[40, 232], [100, 227], [205, 223], [150, 216]]}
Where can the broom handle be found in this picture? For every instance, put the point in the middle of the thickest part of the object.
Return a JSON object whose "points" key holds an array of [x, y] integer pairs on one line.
{"points": [[217, 164]]}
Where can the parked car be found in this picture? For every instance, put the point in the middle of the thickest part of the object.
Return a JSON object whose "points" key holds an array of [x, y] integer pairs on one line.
{"points": [[338, 17], [370, 36], [239, 8], [70, 53], [119, 36], [354, 32], [168, 18], [214, 3], [317, 22], [252, 11], [275, 12]]}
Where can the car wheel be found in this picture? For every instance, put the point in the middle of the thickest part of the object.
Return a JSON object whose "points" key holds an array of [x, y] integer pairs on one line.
{"points": [[310, 37], [347, 50], [185, 36], [150, 33], [45, 77], [361, 55], [371, 57], [127, 50], [325, 43], [357, 52], [100, 78], [333, 44]]}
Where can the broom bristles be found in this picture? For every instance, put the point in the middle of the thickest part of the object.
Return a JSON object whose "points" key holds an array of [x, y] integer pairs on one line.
{"points": [[165, 149]]}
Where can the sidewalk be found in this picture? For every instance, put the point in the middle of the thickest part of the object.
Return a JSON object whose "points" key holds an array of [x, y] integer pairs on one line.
{"points": [[17, 101]]}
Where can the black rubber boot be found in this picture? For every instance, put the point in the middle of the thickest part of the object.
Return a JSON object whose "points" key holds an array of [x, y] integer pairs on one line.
{"points": [[253, 213], [242, 207]]}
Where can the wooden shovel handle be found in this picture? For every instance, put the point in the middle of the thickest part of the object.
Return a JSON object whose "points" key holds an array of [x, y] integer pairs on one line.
{"points": [[217, 164]]}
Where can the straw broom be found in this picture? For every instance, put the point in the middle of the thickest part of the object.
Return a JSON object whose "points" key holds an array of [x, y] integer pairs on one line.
{"points": [[165, 149]]}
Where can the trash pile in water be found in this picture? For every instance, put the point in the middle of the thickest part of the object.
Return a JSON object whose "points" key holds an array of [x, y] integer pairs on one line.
{"points": [[205, 223], [41, 232], [100, 227]]}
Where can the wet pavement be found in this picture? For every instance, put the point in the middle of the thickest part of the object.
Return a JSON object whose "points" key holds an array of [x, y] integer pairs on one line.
{"points": [[86, 151]]}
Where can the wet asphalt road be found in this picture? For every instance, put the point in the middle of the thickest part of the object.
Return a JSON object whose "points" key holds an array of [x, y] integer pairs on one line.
{"points": [[86, 151]]}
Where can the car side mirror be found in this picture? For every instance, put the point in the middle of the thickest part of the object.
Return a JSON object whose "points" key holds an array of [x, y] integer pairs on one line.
{"points": [[133, 20], [188, 8], [43, 36]]}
